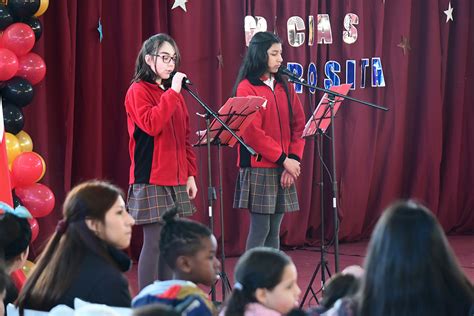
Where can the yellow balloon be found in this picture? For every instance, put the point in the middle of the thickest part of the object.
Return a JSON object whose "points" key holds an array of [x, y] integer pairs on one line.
{"points": [[26, 143], [13, 147], [42, 8], [28, 268]]}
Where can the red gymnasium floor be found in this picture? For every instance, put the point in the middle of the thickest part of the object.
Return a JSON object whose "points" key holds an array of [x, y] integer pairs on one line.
{"points": [[349, 254]]}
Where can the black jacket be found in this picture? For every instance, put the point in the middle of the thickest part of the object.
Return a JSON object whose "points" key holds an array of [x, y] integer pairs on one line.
{"points": [[99, 280]]}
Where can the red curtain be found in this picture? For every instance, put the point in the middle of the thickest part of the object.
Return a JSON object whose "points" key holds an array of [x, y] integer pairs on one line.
{"points": [[422, 148]]}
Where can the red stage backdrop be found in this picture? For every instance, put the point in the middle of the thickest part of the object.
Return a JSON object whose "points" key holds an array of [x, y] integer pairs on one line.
{"points": [[412, 57]]}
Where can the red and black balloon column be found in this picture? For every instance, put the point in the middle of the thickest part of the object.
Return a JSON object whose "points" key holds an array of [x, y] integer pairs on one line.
{"points": [[20, 70]]}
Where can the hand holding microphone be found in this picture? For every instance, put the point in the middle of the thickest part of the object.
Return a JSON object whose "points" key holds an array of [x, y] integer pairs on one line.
{"points": [[179, 80]]}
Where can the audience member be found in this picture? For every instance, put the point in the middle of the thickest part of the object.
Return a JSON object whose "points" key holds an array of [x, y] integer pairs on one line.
{"points": [[265, 284], [189, 248], [410, 269], [15, 237], [83, 259]]}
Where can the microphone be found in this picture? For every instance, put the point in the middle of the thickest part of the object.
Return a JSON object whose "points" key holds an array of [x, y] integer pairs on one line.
{"points": [[284, 71], [186, 81]]}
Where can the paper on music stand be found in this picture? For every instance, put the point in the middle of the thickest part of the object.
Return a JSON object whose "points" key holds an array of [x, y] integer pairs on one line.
{"points": [[321, 117], [237, 113]]}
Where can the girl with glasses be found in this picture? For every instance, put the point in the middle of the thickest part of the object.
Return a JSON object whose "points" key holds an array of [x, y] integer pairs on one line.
{"points": [[163, 165]]}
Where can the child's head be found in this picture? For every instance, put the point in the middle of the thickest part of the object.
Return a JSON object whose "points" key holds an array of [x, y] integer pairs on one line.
{"points": [[339, 286], [157, 59], [263, 58], [266, 276], [189, 248], [264, 54], [15, 237]]}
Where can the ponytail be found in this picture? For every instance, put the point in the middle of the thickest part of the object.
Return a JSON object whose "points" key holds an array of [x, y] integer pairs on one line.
{"points": [[238, 301], [45, 298]]}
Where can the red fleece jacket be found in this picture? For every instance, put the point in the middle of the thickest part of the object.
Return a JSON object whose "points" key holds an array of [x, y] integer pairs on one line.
{"points": [[158, 126], [269, 134]]}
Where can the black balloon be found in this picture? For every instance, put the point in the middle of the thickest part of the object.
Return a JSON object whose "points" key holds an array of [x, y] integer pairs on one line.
{"points": [[35, 25], [23, 8], [13, 119], [5, 17], [18, 91]]}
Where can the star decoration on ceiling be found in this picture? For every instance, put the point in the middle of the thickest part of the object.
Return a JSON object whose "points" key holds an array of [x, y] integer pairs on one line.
{"points": [[100, 30], [180, 3], [449, 13], [405, 45], [220, 59]]}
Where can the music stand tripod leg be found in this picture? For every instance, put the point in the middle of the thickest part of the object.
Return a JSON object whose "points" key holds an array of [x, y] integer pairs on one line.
{"points": [[226, 287], [323, 263], [211, 191]]}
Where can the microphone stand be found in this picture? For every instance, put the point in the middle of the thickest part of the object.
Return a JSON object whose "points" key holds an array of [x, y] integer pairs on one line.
{"points": [[331, 96], [211, 191]]}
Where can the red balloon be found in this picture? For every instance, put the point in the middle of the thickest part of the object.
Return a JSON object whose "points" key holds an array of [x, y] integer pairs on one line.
{"points": [[31, 67], [34, 228], [27, 168], [19, 38], [12, 181], [8, 64], [18, 278], [37, 198]]}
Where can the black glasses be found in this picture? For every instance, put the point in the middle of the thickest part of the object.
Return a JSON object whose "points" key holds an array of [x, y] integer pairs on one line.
{"points": [[166, 58]]}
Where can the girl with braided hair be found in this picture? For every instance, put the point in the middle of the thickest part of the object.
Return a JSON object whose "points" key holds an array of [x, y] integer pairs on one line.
{"points": [[189, 248]]}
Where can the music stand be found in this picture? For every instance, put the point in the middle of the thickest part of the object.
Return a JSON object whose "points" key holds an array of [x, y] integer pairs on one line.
{"points": [[292, 77], [317, 126], [238, 113]]}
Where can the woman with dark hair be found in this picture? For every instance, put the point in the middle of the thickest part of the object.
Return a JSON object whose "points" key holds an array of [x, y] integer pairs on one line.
{"points": [[163, 164], [266, 284], [410, 269], [266, 183], [84, 257], [15, 237]]}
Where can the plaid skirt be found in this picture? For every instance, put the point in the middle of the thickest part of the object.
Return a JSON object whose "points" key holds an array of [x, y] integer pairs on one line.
{"points": [[259, 191], [147, 202]]}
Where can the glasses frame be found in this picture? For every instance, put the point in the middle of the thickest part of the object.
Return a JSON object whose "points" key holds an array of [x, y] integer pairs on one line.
{"points": [[166, 58]]}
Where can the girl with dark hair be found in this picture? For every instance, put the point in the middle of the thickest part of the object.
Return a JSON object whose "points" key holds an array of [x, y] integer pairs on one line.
{"points": [[163, 164], [84, 257], [265, 284], [15, 237], [189, 248], [410, 269], [266, 183]]}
